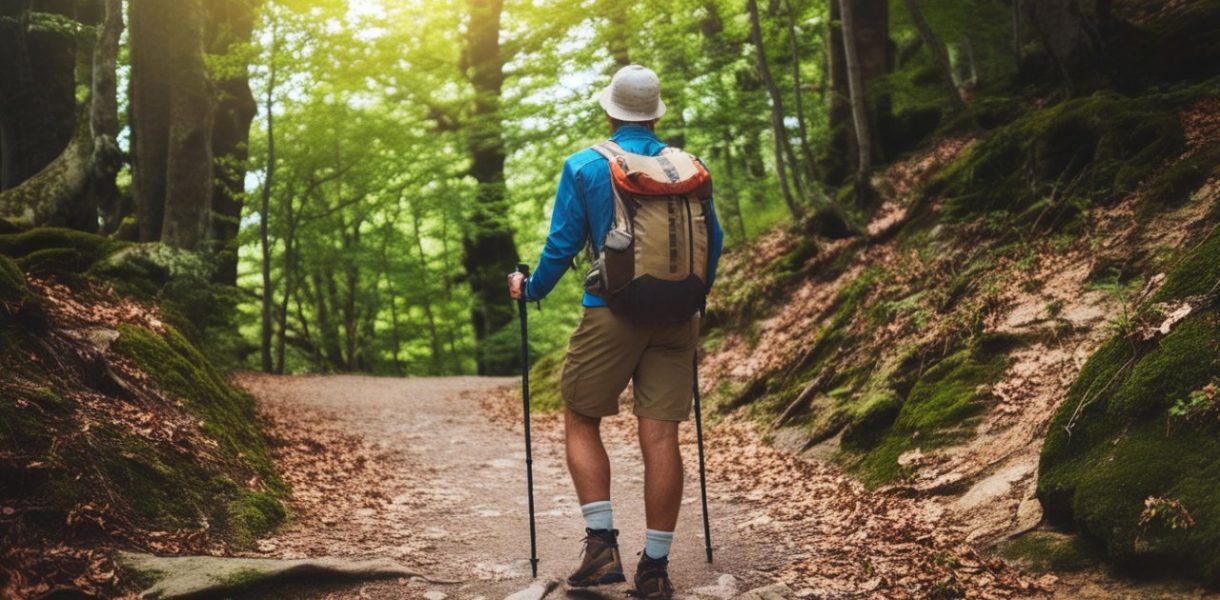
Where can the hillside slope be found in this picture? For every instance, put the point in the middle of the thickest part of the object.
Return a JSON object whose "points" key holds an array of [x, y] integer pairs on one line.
{"points": [[115, 430], [937, 350]]}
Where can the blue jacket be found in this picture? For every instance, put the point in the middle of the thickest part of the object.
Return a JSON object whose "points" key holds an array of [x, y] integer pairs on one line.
{"points": [[584, 208]]}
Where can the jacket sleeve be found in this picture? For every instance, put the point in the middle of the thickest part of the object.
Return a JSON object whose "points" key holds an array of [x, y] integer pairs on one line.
{"points": [[569, 230]]}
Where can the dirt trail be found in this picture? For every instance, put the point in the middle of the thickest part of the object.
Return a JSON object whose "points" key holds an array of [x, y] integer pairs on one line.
{"points": [[449, 490], [430, 473]]}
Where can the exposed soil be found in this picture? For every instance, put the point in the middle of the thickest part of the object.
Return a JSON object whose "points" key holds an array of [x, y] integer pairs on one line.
{"points": [[435, 478]]}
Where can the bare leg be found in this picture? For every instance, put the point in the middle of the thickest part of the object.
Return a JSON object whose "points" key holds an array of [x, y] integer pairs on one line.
{"points": [[662, 473], [587, 459]]}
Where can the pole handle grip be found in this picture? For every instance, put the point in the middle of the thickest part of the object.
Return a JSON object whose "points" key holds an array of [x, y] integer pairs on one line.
{"points": [[523, 269]]}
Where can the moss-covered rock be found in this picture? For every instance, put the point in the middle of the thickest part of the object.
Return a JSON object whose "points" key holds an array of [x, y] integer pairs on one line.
{"points": [[55, 261], [1050, 551], [940, 408], [1111, 447], [1066, 157], [13, 288], [22, 244]]}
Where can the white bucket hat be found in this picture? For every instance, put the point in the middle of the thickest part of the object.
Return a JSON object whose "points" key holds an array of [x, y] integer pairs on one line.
{"points": [[634, 94]]}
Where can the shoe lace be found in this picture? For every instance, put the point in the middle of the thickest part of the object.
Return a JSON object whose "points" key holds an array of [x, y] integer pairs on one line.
{"points": [[589, 537]]}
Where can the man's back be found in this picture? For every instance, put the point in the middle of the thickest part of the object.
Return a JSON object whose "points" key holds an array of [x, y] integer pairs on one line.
{"points": [[584, 210]]}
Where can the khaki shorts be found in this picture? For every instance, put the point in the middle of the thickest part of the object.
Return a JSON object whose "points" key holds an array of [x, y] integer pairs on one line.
{"points": [[607, 351]]}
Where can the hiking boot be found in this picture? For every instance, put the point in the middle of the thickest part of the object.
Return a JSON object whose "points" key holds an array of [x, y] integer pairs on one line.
{"points": [[652, 579], [601, 564]]}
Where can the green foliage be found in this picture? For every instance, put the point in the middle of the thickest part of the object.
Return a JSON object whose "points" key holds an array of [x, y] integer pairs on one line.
{"points": [[1113, 444], [1199, 406], [545, 395], [371, 202]]}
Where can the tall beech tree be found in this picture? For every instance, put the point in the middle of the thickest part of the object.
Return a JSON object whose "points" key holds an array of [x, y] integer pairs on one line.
{"points": [[66, 190], [173, 105], [489, 252], [1071, 31], [874, 60], [37, 86], [856, 94], [782, 150], [230, 25], [940, 55]]}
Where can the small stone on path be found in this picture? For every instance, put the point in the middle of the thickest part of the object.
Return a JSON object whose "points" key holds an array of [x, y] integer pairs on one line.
{"points": [[775, 591], [537, 591], [726, 587]]}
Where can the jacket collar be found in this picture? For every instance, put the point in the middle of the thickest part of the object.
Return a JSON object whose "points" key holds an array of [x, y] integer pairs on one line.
{"points": [[634, 132]]}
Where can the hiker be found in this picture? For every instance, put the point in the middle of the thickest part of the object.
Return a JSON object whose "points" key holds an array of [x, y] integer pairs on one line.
{"points": [[656, 262]]}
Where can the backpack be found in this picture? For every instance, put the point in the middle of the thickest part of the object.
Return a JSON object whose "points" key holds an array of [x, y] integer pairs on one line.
{"points": [[653, 265]]}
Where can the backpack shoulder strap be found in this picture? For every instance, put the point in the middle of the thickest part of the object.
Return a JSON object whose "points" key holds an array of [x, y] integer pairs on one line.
{"points": [[610, 150]]}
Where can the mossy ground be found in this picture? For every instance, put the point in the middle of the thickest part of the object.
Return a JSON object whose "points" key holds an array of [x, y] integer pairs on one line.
{"points": [[57, 453], [1113, 444], [940, 409], [1048, 166], [1050, 551]]}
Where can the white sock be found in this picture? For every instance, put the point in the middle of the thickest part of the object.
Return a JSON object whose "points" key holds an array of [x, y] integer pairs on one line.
{"points": [[657, 543], [598, 515]]}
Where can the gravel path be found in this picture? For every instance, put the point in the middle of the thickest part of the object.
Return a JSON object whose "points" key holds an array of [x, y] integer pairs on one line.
{"points": [[447, 490]]}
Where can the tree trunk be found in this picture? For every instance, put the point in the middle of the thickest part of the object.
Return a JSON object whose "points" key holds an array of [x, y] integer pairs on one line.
{"points": [[153, 26], [777, 106], [351, 283], [188, 189], [810, 166], [434, 336], [1018, 33], [38, 95], [103, 195], [735, 198], [874, 60], [264, 226], [325, 301], [64, 192], [859, 108], [489, 252], [939, 54], [231, 25], [1071, 33]]}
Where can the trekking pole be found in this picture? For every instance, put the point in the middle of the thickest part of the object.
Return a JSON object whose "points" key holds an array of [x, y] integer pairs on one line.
{"points": [[524, 269], [707, 527]]}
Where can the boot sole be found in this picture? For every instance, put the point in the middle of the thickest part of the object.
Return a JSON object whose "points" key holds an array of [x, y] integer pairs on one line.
{"points": [[606, 579]]}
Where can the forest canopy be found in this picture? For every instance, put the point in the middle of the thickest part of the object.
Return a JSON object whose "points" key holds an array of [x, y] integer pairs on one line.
{"points": [[367, 171]]}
